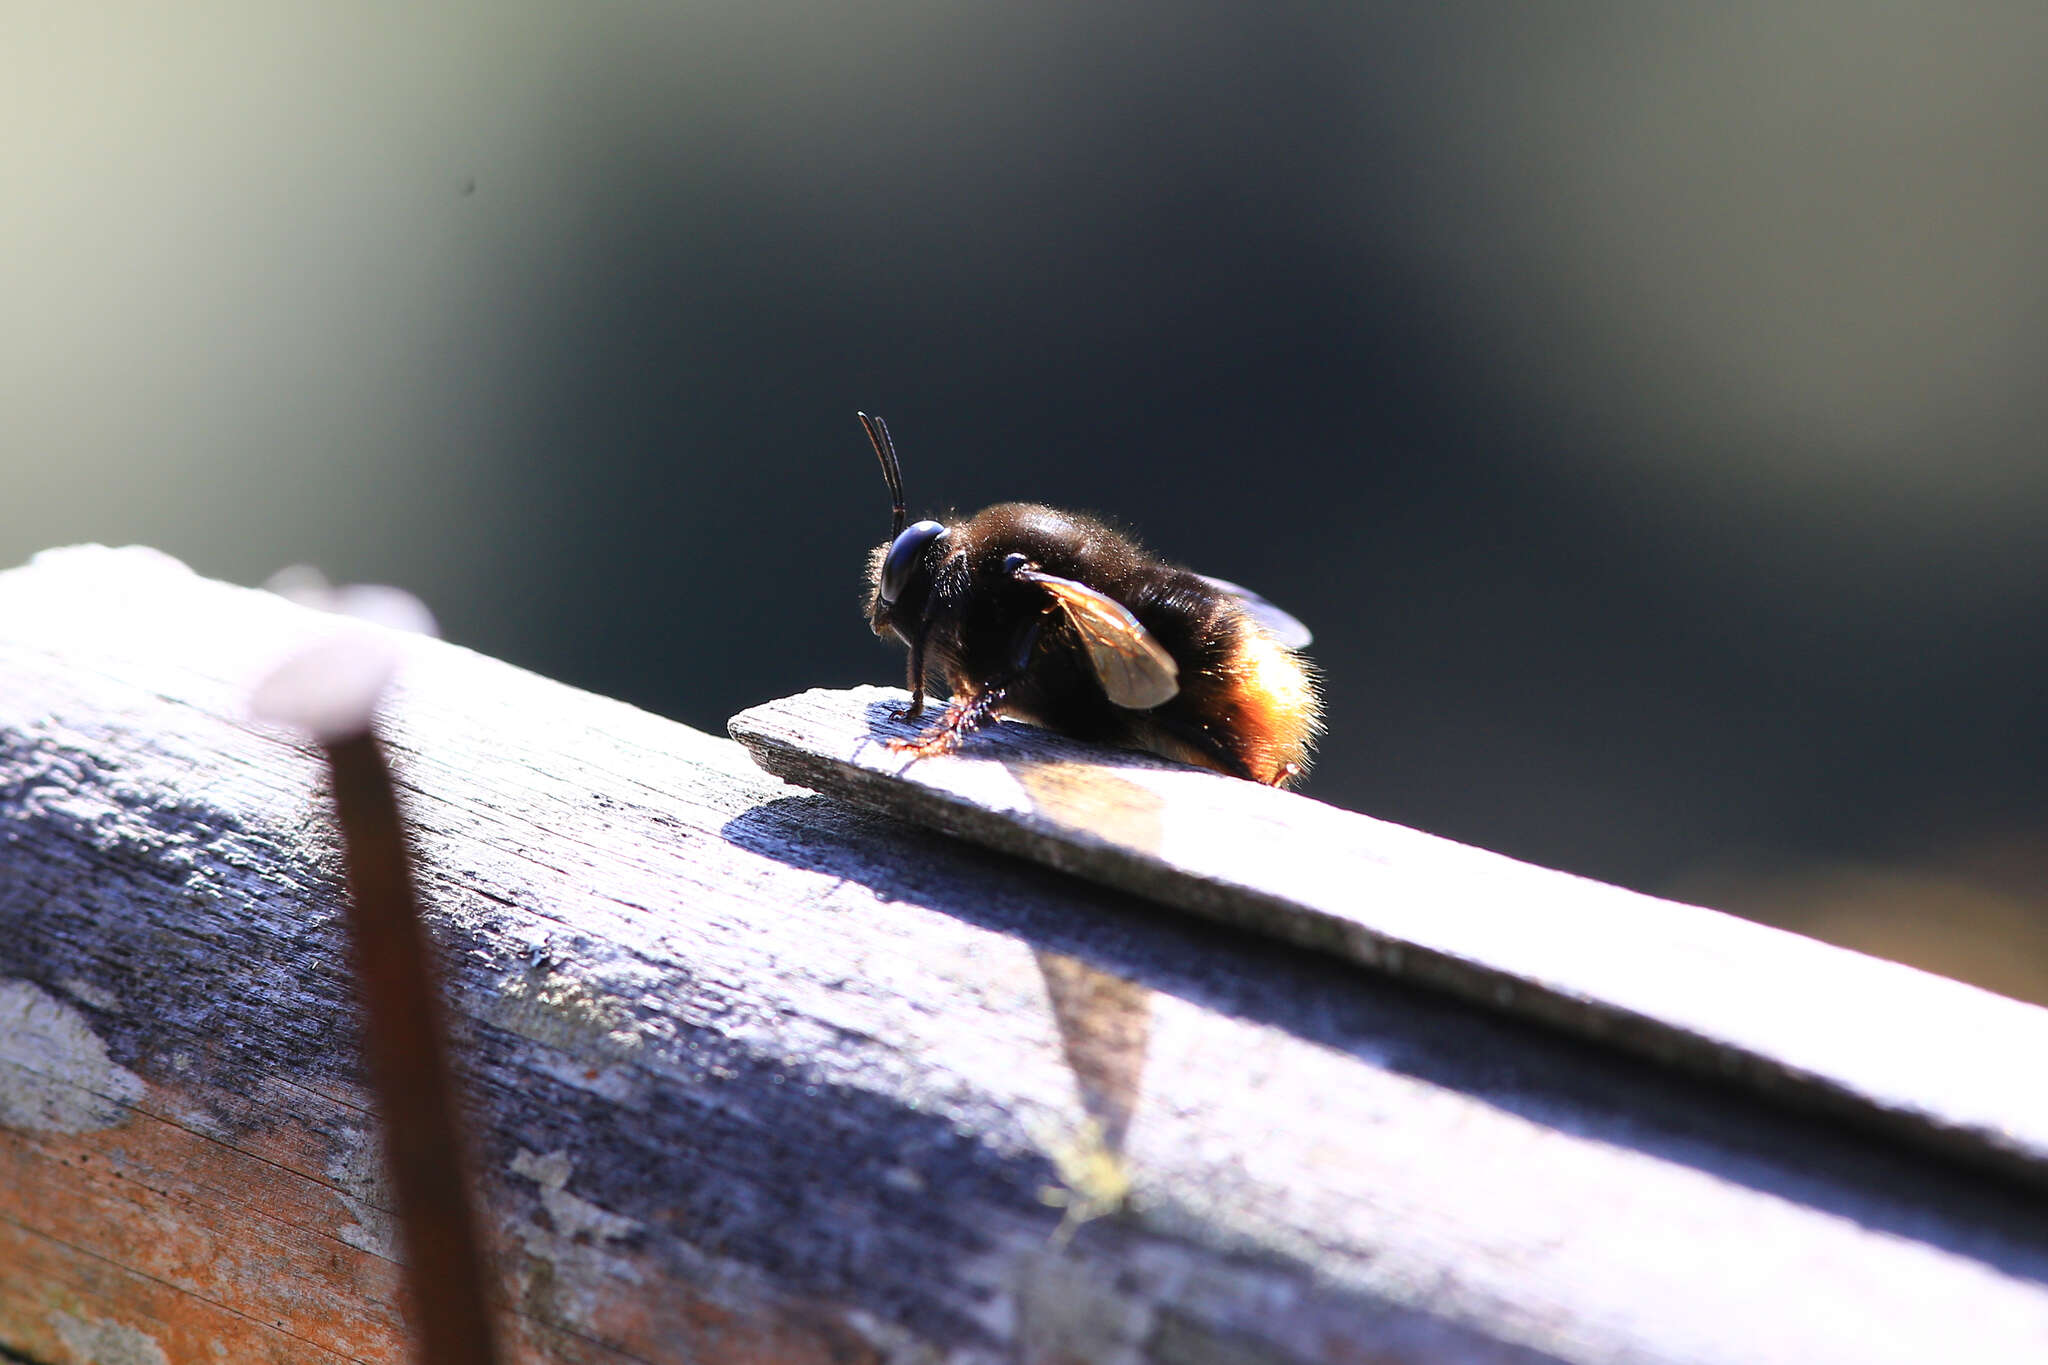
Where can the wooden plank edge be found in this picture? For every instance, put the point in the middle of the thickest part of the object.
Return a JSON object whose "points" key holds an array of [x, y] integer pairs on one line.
{"points": [[1986, 1131]]}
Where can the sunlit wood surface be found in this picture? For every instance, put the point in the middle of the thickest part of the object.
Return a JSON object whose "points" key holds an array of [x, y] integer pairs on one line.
{"points": [[760, 1075], [1921, 1056]]}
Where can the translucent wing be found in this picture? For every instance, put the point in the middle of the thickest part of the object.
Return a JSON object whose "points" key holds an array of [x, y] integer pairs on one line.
{"points": [[1279, 624], [1135, 671]]}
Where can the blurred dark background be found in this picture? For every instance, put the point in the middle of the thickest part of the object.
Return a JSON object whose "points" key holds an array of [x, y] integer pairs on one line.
{"points": [[1644, 405]]}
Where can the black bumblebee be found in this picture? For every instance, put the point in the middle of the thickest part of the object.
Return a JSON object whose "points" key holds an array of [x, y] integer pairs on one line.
{"points": [[1055, 618]]}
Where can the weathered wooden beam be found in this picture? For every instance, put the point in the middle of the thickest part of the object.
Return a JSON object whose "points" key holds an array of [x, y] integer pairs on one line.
{"points": [[1921, 1056], [756, 1075]]}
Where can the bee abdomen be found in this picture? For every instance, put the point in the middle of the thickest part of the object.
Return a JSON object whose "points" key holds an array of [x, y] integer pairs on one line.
{"points": [[1248, 705]]}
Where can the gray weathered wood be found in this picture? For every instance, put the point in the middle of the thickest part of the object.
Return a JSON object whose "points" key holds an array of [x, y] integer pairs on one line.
{"points": [[759, 1076], [1922, 1056]]}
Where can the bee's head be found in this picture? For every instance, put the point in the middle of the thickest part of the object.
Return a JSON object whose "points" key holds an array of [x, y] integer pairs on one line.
{"points": [[900, 571]]}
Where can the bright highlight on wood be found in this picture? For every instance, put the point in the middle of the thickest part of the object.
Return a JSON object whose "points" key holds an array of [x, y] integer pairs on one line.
{"points": [[1913, 1054]]}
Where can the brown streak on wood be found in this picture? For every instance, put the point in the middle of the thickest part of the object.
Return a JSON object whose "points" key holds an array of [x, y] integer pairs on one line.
{"points": [[1104, 1022]]}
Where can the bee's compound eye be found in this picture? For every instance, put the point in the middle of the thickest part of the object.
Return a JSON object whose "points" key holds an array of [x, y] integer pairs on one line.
{"points": [[904, 554]]}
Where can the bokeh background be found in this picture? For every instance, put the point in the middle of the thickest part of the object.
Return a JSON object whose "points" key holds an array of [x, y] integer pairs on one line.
{"points": [[1645, 404]]}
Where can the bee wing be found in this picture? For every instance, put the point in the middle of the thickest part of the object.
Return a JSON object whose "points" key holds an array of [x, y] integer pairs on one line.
{"points": [[1282, 626], [1134, 669]]}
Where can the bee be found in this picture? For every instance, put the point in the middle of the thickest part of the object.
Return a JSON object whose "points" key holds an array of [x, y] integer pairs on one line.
{"points": [[1058, 619]]}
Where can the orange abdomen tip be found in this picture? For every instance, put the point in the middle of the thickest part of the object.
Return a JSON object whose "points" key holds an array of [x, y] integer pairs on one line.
{"points": [[1279, 711]]}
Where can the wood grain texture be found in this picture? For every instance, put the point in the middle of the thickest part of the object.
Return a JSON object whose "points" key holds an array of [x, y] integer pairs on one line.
{"points": [[1917, 1055], [757, 1075]]}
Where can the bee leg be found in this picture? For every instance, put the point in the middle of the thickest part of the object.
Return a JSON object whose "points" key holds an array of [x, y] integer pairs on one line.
{"points": [[1209, 751], [916, 679], [960, 720], [1026, 643]]}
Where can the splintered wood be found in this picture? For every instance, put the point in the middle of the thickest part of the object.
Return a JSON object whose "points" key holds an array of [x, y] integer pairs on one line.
{"points": [[756, 1074]]}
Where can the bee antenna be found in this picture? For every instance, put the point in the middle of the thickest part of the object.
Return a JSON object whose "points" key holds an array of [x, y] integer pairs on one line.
{"points": [[892, 472]]}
